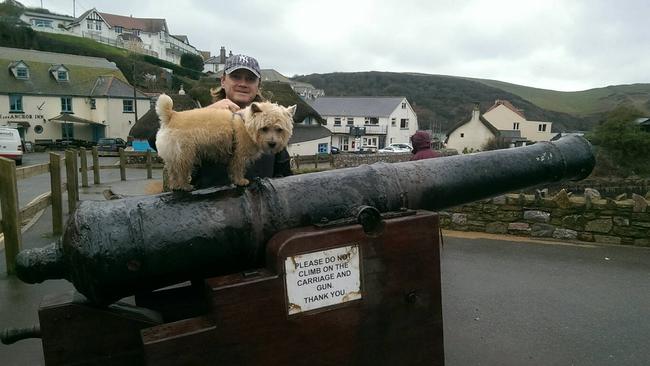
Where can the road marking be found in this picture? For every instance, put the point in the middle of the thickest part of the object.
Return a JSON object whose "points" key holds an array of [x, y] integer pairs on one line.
{"points": [[513, 238]]}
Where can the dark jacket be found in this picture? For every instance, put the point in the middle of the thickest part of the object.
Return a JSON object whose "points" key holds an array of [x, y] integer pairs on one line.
{"points": [[421, 141]]}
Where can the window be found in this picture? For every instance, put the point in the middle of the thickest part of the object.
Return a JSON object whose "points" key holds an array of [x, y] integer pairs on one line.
{"points": [[67, 131], [350, 121], [541, 128], [127, 106], [515, 126], [93, 103], [15, 103], [345, 143], [136, 32], [98, 25], [118, 29], [66, 104], [337, 121], [22, 72], [371, 121], [44, 23], [38, 129], [62, 75], [393, 122], [403, 105], [322, 148], [90, 24], [404, 123]]}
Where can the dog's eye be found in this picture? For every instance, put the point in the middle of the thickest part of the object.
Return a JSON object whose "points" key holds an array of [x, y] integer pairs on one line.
{"points": [[265, 129], [278, 129]]}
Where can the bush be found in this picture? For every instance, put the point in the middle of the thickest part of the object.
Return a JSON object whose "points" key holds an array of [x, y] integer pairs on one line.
{"points": [[193, 62]]}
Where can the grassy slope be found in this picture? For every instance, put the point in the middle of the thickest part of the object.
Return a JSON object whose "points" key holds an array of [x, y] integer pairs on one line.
{"points": [[580, 103]]}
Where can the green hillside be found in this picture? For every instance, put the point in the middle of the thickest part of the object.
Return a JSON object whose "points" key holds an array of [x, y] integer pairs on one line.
{"points": [[437, 99], [581, 103]]}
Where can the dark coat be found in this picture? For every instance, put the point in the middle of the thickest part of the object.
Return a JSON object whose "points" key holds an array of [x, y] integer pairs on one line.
{"points": [[422, 146]]}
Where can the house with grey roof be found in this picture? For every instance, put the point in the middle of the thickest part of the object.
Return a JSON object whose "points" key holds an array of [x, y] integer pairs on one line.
{"points": [[50, 96], [376, 121]]}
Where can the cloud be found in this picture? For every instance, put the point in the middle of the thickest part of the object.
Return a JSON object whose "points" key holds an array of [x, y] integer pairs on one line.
{"points": [[549, 44]]}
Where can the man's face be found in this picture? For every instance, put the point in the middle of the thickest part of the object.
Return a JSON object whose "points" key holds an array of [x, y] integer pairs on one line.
{"points": [[241, 86]]}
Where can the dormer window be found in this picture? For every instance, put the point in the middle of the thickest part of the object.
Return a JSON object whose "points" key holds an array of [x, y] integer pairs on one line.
{"points": [[20, 70], [118, 29], [60, 73]]}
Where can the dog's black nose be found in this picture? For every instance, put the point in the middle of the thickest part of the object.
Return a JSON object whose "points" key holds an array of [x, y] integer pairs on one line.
{"points": [[272, 144]]}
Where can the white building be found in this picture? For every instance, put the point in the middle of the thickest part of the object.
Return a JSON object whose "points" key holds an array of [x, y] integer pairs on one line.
{"points": [[50, 96], [504, 116], [377, 121], [502, 121], [143, 35]]}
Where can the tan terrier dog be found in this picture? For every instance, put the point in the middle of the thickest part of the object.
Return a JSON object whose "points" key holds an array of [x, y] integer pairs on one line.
{"points": [[236, 139]]}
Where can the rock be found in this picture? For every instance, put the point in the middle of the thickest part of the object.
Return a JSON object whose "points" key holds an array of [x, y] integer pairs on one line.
{"points": [[519, 226], [542, 230], [575, 222], [592, 193], [642, 242], [562, 199], [621, 221], [499, 200], [541, 193], [621, 197], [640, 203], [606, 239], [599, 226], [537, 216], [459, 219], [496, 228], [565, 234]]}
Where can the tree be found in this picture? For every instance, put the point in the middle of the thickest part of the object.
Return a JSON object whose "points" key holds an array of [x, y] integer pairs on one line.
{"points": [[194, 62], [626, 144]]}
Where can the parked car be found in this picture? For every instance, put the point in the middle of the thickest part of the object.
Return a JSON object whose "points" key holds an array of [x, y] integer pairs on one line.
{"points": [[11, 146], [397, 148], [334, 150], [112, 144], [367, 149]]}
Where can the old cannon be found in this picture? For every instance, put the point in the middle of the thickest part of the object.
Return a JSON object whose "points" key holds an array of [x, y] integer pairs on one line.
{"points": [[224, 238]]}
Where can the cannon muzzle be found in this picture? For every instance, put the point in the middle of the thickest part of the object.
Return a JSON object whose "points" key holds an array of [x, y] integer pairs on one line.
{"points": [[112, 249]]}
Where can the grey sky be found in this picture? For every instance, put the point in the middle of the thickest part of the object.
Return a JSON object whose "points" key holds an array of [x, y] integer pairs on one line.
{"points": [[550, 44]]}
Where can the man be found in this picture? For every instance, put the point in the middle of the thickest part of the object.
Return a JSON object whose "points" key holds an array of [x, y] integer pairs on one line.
{"points": [[421, 142], [240, 86]]}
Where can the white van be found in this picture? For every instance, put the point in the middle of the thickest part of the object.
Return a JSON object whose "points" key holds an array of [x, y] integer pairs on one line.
{"points": [[10, 145]]}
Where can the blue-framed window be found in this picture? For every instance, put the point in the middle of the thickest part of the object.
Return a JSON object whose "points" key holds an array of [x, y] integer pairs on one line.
{"points": [[15, 103], [322, 148], [66, 105], [127, 106]]}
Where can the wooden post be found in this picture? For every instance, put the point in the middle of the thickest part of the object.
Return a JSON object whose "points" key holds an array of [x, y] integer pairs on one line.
{"points": [[84, 167], [76, 175], [122, 164], [95, 165], [57, 195], [149, 172], [70, 180], [316, 162], [10, 212]]}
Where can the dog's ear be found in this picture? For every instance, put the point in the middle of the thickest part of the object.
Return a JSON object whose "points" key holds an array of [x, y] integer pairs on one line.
{"points": [[292, 110], [255, 108]]}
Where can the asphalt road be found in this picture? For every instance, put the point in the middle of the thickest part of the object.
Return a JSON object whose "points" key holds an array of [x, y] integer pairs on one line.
{"points": [[515, 303], [504, 303]]}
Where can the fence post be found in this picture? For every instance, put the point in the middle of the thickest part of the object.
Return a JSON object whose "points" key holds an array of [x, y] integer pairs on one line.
{"points": [[70, 158], [57, 197], [122, 164], [316, 162], [95, 165], [149, 172], [10, 212], [84, 167]]}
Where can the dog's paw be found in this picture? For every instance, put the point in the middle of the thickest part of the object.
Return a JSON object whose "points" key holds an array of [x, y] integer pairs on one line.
{"points": [[242, 182]]}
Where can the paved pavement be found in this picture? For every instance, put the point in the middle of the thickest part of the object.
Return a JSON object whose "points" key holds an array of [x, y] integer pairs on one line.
{"points": [[506, 301]]}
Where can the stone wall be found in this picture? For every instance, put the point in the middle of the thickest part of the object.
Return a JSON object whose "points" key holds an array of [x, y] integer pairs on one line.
{"points": [[588, 218], [352, 160]]}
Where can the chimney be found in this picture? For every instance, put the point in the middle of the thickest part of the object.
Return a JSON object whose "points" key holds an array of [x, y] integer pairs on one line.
{"points": [[476, 113], [222, 55]]}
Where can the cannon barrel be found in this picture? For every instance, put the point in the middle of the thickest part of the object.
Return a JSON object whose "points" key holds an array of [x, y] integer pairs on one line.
{"points": [[112, 249]]}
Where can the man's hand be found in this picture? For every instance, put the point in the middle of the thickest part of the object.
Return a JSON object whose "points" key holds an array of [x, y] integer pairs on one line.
{"points": [[225, 104]]}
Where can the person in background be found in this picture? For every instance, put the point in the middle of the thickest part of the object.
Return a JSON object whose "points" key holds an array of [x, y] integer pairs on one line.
{"points": [[240, 87], [421, 142]]}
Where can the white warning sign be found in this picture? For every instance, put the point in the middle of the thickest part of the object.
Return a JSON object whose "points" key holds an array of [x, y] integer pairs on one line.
{"points": [[325, 278]]}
